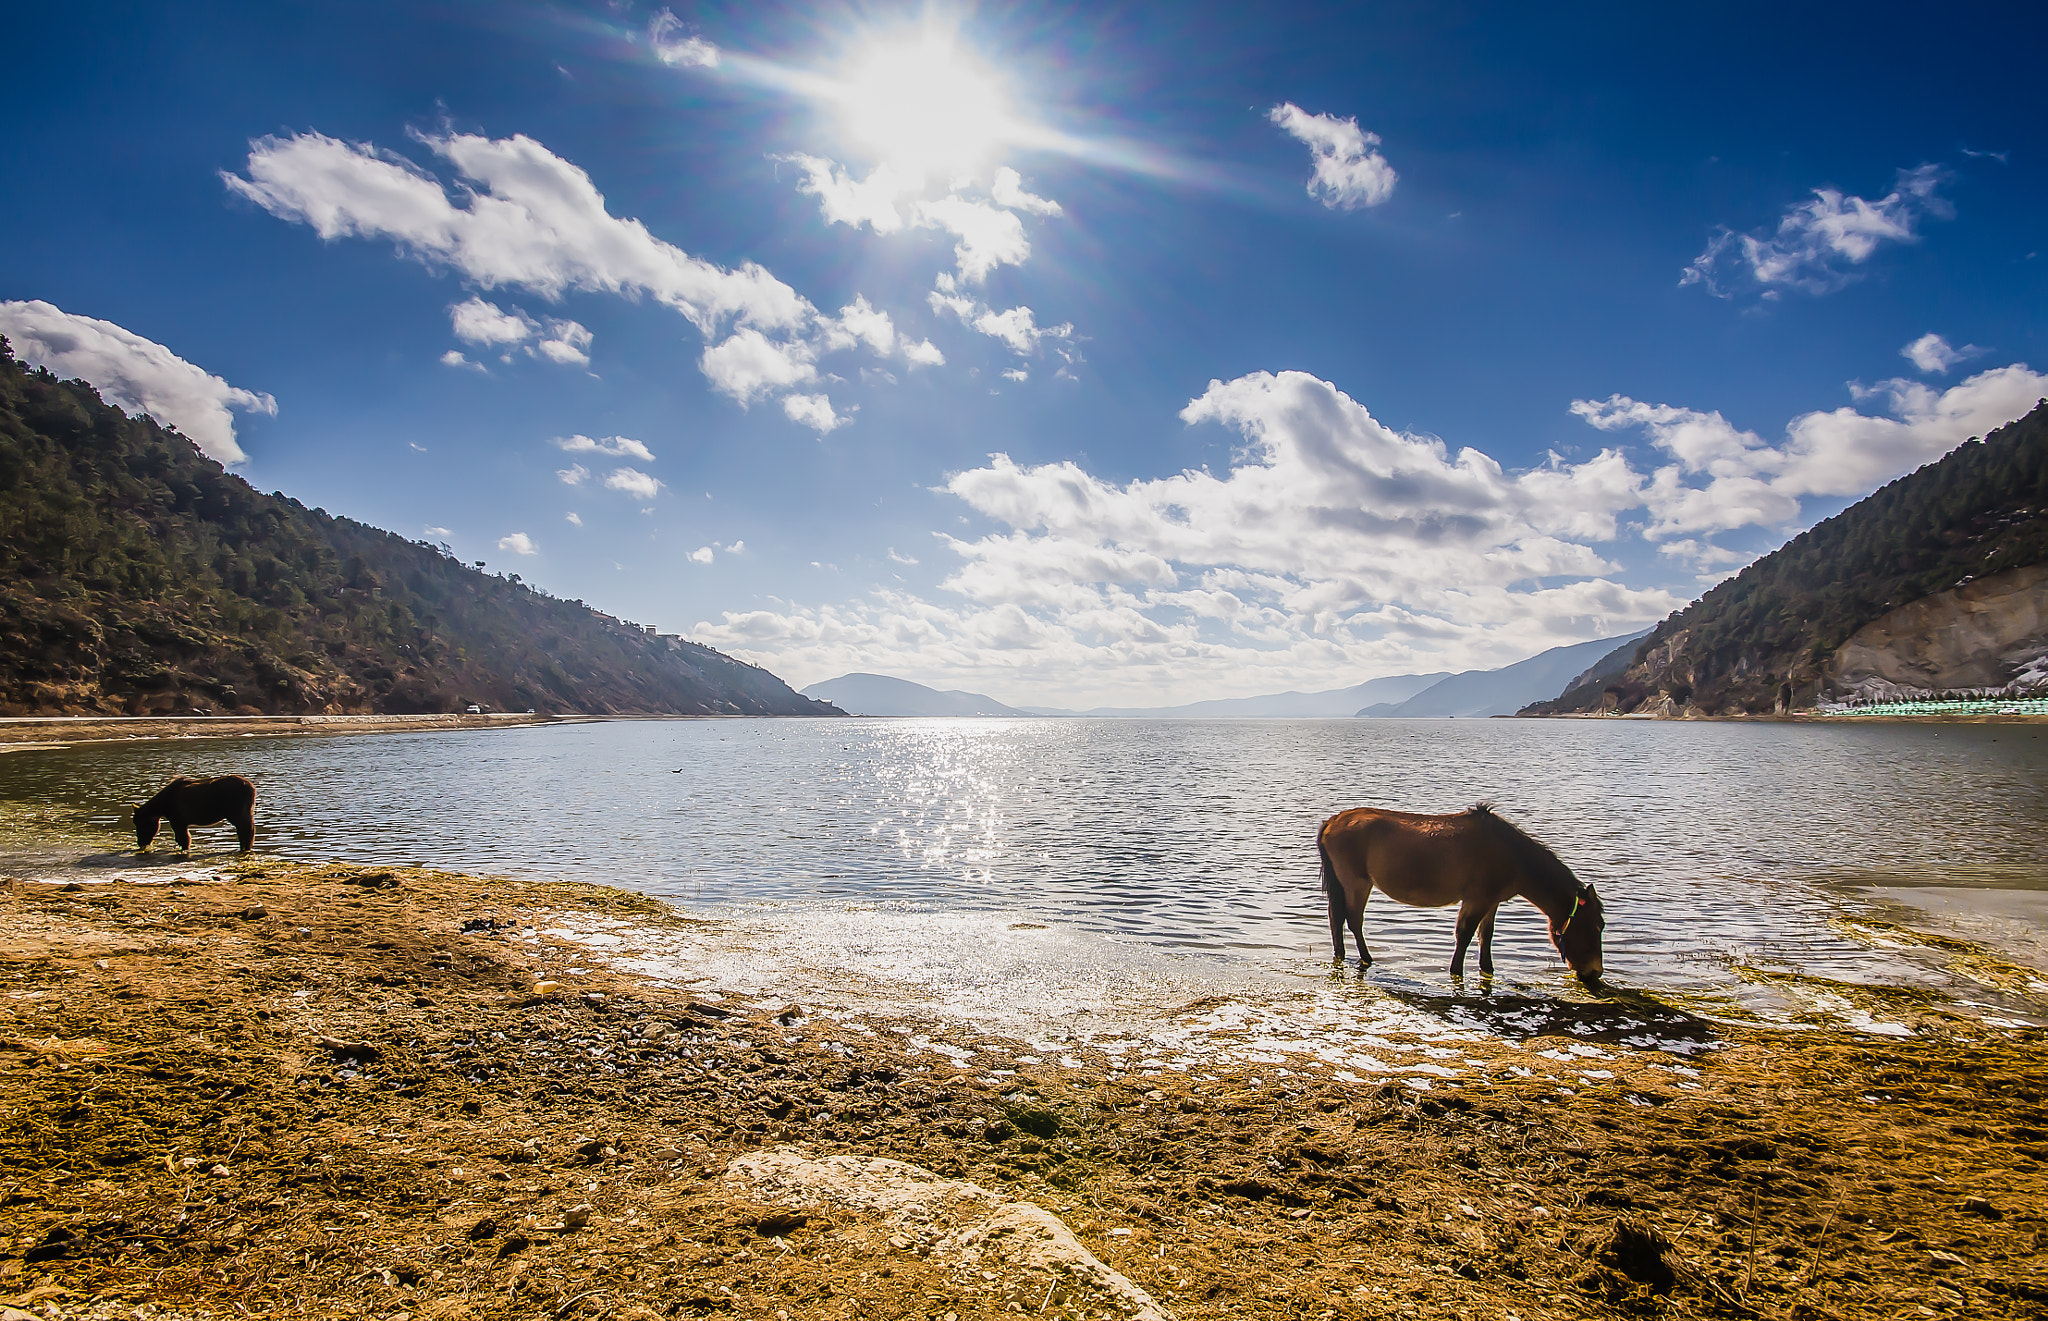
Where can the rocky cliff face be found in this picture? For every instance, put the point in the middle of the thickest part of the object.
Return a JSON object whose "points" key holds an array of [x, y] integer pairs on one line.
{"points": [[1990, 633], [1932, 583]]}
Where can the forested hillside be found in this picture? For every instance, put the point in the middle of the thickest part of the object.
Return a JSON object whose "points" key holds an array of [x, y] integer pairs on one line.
{"points": [[139, 577], [1759, 641]]}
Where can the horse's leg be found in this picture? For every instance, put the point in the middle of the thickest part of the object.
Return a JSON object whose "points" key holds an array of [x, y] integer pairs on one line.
{"points": [[184, 835], [1486, 941], [1333, 890], [1469, 917], [1356, 918], [245, 829]]}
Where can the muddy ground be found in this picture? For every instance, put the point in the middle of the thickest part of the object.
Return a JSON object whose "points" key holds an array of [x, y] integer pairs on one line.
{"points": [[336, 1091]]}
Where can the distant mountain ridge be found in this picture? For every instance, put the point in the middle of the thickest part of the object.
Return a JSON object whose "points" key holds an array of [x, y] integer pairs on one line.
{"points": [[1472, 693], [1504, 691], [882, 695], [1773, 637], [137, 576], [1273, 706]]}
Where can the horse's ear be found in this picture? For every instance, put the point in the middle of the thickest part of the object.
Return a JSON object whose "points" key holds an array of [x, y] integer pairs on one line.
{"points": [[1591, 893]]}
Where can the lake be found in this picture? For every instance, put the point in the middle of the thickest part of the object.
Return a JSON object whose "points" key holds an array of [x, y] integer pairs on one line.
{"points": [[1724, 852]]}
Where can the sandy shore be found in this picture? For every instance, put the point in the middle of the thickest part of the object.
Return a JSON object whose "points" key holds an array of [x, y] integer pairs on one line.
{"points": [[58, 731], [271, 1089]]}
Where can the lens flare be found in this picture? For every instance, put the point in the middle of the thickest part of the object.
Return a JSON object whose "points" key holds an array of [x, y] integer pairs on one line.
{"points": [[922, 105]]}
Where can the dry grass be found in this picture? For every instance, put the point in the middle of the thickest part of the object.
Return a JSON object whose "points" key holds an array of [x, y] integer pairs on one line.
{"points": [[307, 1091]]}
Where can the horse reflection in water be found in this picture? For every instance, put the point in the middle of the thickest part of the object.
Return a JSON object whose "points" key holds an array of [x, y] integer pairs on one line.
{"points": [[1474, 859]]}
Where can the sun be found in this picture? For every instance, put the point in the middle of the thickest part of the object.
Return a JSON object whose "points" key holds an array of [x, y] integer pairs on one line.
{"points": [[921, 104]]}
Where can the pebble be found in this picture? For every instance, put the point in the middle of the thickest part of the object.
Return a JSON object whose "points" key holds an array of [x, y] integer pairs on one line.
{"points": [[576, 1217], [546, 988], [1938, 1259], [255, 913], [1980, 1206]]}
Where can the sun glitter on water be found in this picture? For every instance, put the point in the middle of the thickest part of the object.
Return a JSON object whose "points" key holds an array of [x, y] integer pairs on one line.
{"points": [[923, 104]]}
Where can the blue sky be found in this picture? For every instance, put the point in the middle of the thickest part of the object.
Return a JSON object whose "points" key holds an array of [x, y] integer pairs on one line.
{"points": [[1072, 354]]}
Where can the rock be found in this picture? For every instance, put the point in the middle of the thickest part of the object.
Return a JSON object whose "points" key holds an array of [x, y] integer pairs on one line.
{"points": [[219, 1171], [990, 1229], [546, 988], [1939, 1260], [576, 1217], [790, 1015], [482, 1229], [348, 1050], [255, 913], [1980, 1206]]}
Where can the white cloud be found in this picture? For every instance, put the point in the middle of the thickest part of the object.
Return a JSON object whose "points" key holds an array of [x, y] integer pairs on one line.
{"points": [[1932, 353], [1817, 242], [674, 46], [1008, 190], [575, 519], [990, 236], [134, 373], [616, 447], [858, 323], [534, 221], [522, 217], [749, 365], [702, 555], [1349, 170], [924, 353], [568, 343], [573, 475], [844, 200], [946, 297], [1019, 329], [633, 482], [440, 532], [1016, 374], [456, 358], [813, 411], [518, 543], [1335, 548], [898, 558], [478, 322], [1723, 478]]}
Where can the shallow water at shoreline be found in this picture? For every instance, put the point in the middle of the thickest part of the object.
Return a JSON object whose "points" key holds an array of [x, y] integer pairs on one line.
{"points": [[1729, 856]]}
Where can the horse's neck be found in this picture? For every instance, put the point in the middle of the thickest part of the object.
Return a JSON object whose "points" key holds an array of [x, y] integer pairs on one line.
{"points": [[1551, 893]]}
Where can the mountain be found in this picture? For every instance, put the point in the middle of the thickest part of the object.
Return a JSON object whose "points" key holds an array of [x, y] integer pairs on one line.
{"points": [[1504, 691], [1272, 706], [1953, 538], [137, 576], [880, 695]]}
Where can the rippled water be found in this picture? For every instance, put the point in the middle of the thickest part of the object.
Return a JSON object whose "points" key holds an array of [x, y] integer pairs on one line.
{"points": [[1714, 845]]}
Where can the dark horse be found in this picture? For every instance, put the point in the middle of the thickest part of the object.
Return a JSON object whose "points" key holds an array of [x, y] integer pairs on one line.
{"points": [[1473, 859], [186, 803]]}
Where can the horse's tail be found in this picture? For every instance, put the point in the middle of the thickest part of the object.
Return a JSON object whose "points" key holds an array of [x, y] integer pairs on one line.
{"points": [[1331, 885]]}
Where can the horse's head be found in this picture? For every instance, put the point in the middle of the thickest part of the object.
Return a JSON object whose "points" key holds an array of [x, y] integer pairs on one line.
{"points": [[145, 828], [1577, 935]]}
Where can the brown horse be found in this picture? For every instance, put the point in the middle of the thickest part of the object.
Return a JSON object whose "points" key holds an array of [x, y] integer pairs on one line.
{"points": [[1473, 859], [186, 803]]}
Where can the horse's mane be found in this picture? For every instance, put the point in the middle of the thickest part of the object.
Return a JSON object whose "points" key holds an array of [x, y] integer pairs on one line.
{"points": [[1534, 855]]}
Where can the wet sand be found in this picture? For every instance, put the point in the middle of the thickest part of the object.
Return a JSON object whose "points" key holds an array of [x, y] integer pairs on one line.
{"points": [[272, 1088]]}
